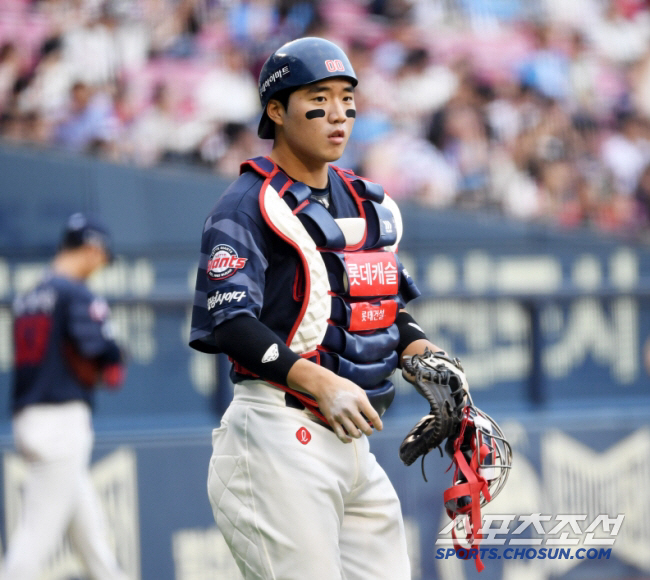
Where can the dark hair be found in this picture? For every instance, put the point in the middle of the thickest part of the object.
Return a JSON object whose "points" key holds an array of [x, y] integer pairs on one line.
{"points": [[81, 230], [6, 49], [50, 45], [417, 57], [283, 97]]}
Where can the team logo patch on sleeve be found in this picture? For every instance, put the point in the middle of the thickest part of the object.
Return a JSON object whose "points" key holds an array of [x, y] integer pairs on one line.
{"points": [[99, 310], [224, 262], [230, 295]]}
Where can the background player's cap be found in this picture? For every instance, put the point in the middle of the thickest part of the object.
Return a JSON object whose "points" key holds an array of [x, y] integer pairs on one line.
{"points": [[298, 63], [81, 229]]}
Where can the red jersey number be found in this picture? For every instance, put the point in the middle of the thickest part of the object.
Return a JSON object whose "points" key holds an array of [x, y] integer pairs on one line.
{"points": [[31, 336]]}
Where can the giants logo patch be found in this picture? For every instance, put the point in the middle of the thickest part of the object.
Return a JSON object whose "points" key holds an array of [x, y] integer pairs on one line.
{"points": [[224, 262], [230, 295], [99, 310]]}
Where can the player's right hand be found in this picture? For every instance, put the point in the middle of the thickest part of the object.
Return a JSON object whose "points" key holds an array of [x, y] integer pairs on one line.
{"points": [[348, 410], [344, 404]]}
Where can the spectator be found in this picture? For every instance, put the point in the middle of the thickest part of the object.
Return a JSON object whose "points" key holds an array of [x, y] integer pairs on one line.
{"points": [[464, 144], [411, 169], [228, 94], [90, 51], [626, 152], [584, 75], [251, 23], [640, 77], [153, 133], [53, 77], [10, 69], [619, 36], [89, 121], [240, 143], [421, 87], [547, 69], [642, 201], [484, 148]]}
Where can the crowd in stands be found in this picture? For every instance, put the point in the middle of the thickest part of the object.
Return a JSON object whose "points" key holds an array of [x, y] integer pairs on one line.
{"points": [[537, 110]]}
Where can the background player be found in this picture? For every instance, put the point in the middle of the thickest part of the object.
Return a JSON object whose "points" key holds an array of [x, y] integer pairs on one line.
{"points": [[63, 347], [300, 285]]}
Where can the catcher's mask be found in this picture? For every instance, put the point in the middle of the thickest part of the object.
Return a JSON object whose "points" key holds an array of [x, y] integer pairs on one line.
{"points": [[486, 452], [482, 458]]}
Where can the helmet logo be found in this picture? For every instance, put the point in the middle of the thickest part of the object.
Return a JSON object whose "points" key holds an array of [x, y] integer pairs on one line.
{"points": [[334, 65], [274, 76]]}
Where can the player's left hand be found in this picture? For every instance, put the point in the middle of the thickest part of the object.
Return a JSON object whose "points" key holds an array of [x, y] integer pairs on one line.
{"points": [[441, 381]]}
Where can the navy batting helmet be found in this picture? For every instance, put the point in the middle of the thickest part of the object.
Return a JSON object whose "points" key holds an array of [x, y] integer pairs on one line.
{"points": [[81, 229], [297, 63]]}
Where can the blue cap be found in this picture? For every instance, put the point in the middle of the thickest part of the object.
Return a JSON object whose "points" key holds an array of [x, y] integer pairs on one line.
{"points": [[298, 63], [81, 230]]}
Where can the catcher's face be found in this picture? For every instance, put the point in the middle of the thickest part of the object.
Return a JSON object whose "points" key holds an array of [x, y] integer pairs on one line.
{"points": [[317, 122]]}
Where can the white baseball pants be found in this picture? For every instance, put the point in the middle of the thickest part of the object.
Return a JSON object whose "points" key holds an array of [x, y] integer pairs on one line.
{"points": [[57, 440], [294, 502]]}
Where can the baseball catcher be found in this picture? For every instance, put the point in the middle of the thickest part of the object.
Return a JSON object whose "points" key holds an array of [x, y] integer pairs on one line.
{"points": [[480, 454]]}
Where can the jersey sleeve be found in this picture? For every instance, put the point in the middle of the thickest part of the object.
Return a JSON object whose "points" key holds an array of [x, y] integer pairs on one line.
{"points": [[89, 327], [407, 289], [230, 277]]}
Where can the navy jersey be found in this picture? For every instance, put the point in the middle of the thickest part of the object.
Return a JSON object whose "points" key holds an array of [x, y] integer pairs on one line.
{"points": [[245, 269], [57, 314]]}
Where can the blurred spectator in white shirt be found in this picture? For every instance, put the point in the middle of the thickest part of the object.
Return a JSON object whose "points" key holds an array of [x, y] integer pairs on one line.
{"points": [[621, 37], [503, 114], [228, 94], [50, 86], [107, 44], [577, 14], [411, 169], [626, 152], [584, 72], [91, 53], [153, 132], [421, 88]]}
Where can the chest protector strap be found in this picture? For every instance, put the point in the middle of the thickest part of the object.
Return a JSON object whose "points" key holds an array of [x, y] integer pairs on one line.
{"points": [[311, 326]]}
